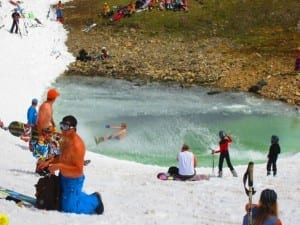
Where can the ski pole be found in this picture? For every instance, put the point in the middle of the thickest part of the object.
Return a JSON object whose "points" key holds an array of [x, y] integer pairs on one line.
{"points": [[250, 192], [213, 162], [250, 184]]}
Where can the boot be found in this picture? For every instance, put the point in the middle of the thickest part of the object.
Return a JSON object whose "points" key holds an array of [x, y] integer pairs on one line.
{"points": [[234, 173], [220, 174]]}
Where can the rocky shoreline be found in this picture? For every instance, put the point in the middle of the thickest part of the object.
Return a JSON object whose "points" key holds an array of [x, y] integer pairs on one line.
{"points": [[216, 63]]}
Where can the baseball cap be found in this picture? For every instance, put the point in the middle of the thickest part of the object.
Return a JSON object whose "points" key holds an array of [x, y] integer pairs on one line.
{"points": [[52, 94], [34, 101]]}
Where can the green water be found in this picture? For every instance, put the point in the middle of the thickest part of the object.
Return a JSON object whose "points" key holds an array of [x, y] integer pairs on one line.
{"points": [[160, 119]]}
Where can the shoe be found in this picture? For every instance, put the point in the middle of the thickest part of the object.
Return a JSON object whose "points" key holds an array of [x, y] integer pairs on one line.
{"points": [[234, 173], [100, 209], [268, 173], [220, 174]]}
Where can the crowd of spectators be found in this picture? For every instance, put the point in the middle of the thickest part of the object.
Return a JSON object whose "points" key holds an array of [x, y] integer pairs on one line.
{"points": [[141, 5]]}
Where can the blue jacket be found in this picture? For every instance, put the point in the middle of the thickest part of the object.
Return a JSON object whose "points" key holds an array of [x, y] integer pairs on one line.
{"points": [[271, 220], [32, 116]]}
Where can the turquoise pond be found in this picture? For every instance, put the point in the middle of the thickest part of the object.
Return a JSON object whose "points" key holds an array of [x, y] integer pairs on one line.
{"points": [[161, 118]]}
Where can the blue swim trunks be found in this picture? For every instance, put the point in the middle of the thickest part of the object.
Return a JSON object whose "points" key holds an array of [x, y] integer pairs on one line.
{"points": [[73, 200]]}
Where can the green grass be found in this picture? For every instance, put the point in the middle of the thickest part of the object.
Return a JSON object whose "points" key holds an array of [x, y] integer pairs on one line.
{"points": [[262, 25]]}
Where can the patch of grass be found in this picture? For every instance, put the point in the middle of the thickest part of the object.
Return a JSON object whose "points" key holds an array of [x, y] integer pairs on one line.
{"points": [[263, 25]]}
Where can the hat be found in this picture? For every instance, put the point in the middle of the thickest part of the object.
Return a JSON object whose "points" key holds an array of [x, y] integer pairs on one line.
{"points": [[103, 48], [268, 197], [52, 94], [34, 101], [70, 120]]}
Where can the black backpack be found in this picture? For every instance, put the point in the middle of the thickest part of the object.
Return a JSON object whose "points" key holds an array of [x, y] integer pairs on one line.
{"points": [[48, 192]]}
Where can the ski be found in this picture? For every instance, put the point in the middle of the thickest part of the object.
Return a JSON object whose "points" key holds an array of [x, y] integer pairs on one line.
{"points": [[18, 198]]}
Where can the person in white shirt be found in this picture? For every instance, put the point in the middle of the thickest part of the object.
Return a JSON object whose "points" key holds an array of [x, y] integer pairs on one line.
{"points": [[187, 162]]}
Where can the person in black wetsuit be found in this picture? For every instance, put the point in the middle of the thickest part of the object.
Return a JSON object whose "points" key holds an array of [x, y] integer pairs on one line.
{"points": [[274, 150]]}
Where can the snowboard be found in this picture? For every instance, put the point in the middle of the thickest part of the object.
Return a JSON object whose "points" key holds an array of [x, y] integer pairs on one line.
{"points": [[17, 128], [167, 176], [18, 198]]}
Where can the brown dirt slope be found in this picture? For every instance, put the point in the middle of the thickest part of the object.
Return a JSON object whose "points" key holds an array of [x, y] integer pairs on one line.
{"points": [[144, 54]]}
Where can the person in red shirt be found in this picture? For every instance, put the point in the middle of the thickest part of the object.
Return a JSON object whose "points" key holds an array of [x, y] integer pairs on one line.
{"points": [[225, 140]]}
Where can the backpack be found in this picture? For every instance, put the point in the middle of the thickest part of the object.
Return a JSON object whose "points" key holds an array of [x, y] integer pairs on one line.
{"points": [[48, 192]]}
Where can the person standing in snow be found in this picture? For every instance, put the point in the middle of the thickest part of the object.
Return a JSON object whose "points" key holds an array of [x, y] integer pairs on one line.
{"points": [[15, 25], [274, 151], [31, 120], [59, 12], [225, 140], [45, 121], [32, 113]]}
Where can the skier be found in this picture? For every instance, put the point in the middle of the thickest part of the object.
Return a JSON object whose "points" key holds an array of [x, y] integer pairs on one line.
{"points": [[59, 12], [15, 25], [274, 150], [224, 153]]}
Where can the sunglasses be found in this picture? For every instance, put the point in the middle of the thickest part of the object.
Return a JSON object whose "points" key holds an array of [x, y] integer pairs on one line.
{"points": [[65, 127]]}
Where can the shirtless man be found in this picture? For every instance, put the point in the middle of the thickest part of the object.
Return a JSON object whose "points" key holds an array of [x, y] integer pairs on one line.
{"points": [[121, 133], [45, 121], [70, 164]]}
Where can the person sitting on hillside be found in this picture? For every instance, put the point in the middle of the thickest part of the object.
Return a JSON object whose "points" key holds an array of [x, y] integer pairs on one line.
{"points": [[121, 12], [106, 12], [177, 5], [83, 56], [130, 8], [184, 5], [104, 54], [169, 4], [151, 4], [139, 4], [161, 5]]}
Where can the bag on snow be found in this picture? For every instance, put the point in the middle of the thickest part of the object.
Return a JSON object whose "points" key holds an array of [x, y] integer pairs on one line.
{"points": [[48, 193]]}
